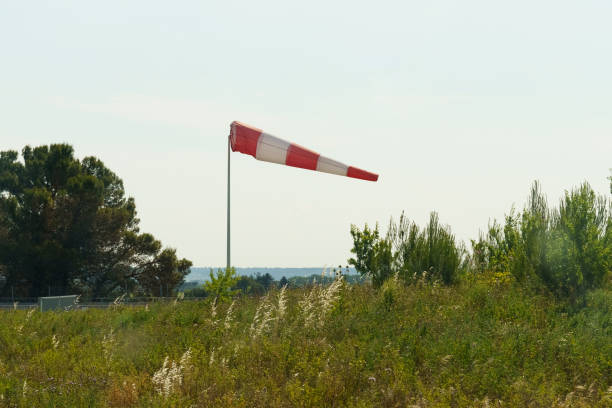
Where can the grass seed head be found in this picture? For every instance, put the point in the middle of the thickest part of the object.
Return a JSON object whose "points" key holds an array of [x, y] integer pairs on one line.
{"points": [[229, 316], [282, 302]]}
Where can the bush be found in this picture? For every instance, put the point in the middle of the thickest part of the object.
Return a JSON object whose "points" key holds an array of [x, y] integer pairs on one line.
{"points": [[220, 286], [567, 249], [409, 251], [373, 255]]}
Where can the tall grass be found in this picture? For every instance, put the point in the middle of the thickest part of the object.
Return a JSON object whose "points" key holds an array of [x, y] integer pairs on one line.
{"points": [[421, 344]]}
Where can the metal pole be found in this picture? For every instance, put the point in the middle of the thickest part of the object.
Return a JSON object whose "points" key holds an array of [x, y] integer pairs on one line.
{"points": [[228, 203]]}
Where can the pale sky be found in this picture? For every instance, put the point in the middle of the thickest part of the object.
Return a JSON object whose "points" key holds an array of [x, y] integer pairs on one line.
{"points": [[458, 105]]}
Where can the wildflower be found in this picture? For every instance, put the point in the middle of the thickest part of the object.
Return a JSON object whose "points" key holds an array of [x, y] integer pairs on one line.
{"points": [[329, 297], [118, 302], [282, 302], [185, 360], [213, 312], [169, 377], [213, 308], [308, 305], [211, 360], [179, 297], [262, 318], [229, 316], [108, 343]]}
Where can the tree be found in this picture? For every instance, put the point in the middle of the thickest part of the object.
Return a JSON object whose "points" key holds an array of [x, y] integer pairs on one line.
{"points": [[567, 249], [373, 255], [220, 285], [164, 274], [66, 226], [266, 280], [249, 286], [408, 251]]}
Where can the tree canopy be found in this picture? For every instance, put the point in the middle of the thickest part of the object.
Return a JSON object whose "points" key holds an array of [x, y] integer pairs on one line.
{"points": [[66, 226]]}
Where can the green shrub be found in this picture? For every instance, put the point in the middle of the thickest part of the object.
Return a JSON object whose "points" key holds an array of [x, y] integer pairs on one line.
{"points": [[220, 286], [409, 251], [566, 249], [373, 254], [432, 249]]}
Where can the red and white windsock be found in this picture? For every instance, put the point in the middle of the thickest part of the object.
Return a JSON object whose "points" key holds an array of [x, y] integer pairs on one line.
{"points": [[263, 146]]}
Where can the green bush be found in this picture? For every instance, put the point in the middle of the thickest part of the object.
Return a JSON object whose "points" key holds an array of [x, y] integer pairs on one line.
{"points": [[567, 249], [409, 251], [220, 286], [373, 255]]}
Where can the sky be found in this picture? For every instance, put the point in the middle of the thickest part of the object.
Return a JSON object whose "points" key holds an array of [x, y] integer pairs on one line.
{"points": [[459, 106]]}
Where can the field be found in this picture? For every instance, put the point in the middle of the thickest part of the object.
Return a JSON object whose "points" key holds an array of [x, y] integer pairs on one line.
{"points": [[472, 344]]}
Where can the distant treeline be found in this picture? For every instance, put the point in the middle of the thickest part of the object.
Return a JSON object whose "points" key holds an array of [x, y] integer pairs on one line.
{"points": [[259, 284], [201, 273]]}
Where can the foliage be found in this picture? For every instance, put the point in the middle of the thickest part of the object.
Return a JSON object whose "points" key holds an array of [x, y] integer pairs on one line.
{"points": [[249, 285], [66, 226], [408, 250], [165, 271], [422, 344], [221, 285], [372, 254], [433, 249], [568, 249]]}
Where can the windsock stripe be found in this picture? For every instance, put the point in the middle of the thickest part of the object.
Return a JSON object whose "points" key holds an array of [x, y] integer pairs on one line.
{"points": [[361, 174], [298, 156], [244, 138], [272, 149], [328, 165]]}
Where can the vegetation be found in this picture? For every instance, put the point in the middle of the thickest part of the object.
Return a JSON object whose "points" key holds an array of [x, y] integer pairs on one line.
{"points": [[407, 250], [66, 227], [477, 343], [259, 284], [566, 250], [524, 319]]}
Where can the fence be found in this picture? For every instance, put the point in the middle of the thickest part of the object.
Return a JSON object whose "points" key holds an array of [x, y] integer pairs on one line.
{"points": [[100, 303]]}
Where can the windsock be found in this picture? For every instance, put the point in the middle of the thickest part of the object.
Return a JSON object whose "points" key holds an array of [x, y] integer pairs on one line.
{"points": [[263, 146]]}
